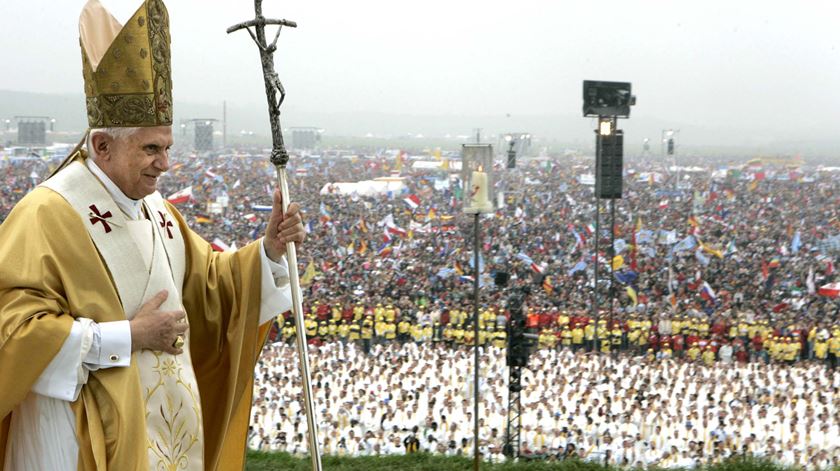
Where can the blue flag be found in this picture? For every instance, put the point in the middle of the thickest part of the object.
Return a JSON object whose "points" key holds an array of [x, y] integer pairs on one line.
{"points": [[626, 277], [796, 243], [686, 244], [702, 258], [644, 236], [619, 245], [445, 272], [579, 266]]}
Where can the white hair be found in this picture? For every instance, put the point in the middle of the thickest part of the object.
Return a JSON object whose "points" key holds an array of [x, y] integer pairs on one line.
{"points": [[114, 133]]}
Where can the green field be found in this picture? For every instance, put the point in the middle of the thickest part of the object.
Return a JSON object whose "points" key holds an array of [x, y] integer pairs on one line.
{"points": [[422, 461]]}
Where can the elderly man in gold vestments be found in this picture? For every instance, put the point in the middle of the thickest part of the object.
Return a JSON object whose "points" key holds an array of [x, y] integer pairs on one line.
{"points": [[126, 342]]}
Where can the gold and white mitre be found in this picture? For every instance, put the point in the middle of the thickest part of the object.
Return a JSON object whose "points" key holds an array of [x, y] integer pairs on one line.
{"points": [[126, 68]]}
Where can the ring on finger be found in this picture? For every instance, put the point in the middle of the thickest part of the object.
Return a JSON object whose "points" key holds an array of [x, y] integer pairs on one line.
{"points": [[179, 342]]}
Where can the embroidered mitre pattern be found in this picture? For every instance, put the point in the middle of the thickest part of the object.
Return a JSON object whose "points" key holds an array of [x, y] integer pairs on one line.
{"points": [[131, 86]]}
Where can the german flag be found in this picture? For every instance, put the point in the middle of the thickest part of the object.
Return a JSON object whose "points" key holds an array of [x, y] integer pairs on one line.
{"points": [[203, 219], [385, 251], [548, 286], [431, 215], [693, 221]]}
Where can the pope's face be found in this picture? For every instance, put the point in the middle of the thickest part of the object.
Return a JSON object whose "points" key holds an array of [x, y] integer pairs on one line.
{"points": [[135, 163]]}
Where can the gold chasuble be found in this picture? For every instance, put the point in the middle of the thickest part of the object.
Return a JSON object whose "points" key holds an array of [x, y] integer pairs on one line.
{"points": [[69, 252], [144, 259]]}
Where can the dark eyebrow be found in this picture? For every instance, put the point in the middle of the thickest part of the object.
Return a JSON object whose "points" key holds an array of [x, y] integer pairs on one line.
{"points": [[153, 147]]}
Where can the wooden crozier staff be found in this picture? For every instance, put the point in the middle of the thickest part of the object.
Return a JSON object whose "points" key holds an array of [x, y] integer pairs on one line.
{"points": [[279, 158]]}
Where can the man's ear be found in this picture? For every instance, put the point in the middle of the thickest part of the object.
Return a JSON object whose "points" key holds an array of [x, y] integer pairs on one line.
{"points": [[102, 145]]}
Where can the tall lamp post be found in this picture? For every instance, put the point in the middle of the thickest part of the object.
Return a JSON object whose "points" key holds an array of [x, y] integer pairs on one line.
{"points": [[517, 142], [669, 145], [607, 101], [477, 177]]}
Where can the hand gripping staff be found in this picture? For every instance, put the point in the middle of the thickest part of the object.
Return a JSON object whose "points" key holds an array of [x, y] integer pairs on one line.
{"points": [[279, 158]]}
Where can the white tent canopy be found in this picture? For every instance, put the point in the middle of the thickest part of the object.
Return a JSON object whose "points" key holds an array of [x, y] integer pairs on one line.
{"points": [[366, 187], [454, 165], [687, 169]]}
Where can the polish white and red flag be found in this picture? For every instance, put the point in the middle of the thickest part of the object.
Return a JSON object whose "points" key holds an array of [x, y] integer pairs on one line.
{"points": [[707, 293], [397, 231], [219, 245], [181, 196], [412, 200], [831, 290]]}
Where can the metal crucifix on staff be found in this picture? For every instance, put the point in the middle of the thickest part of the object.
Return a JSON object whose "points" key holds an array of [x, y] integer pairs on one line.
{"points": [[279, 158]]}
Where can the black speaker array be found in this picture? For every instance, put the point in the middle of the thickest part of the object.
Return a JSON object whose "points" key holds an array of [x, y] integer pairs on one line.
{"points": [[610, 166]]}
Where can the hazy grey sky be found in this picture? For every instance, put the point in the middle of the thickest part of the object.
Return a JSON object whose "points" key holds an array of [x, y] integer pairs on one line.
{"points": [[772, 63]]}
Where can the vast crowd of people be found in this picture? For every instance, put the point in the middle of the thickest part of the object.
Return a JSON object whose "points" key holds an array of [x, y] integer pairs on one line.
{"points": [[719, 263], [417, 396]]}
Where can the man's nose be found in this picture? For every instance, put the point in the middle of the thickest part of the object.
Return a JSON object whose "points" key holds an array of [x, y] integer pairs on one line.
{"points": [[162, 163]]}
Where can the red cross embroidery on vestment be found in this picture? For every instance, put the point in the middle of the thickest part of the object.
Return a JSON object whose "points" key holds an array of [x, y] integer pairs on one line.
{"points": [[96, 216], [165, 224]]}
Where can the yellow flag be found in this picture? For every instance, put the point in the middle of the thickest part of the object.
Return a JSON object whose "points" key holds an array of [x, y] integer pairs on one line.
{"points": [[548, 286], [617, 262], [309, 274], [399, 164], [709, 249], [363, 247], [445, 165], [632, 293]]}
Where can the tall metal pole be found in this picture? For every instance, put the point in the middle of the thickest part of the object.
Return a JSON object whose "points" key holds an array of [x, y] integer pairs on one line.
{"points": [[476, 396], [662, 146], [612, 271], [279, 158], [674, 134], [595, 308]]}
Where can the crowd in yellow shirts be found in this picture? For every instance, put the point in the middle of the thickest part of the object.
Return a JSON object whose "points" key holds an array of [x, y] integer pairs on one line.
{"points": [[657, 336]]}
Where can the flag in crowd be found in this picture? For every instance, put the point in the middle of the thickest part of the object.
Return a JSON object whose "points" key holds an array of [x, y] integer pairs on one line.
{"points": [[181, 196]]}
